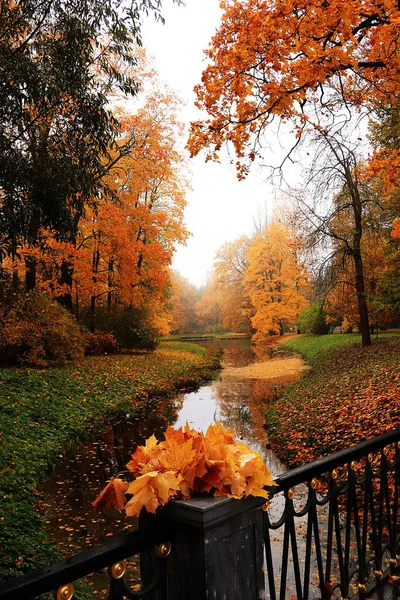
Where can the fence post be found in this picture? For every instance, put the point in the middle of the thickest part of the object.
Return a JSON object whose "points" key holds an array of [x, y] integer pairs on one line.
{"points": [[217, 549]]}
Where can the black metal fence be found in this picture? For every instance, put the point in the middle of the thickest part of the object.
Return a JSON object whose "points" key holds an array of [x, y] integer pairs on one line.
{"points": [[339, 524], [331, 531]]}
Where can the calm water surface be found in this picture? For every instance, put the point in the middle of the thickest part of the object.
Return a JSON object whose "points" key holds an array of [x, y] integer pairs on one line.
{"points": [[237, 402]]}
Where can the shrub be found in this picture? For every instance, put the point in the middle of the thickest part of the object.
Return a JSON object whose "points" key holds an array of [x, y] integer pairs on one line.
{"points": [[100, 343], [313, 320], [132, 329], [38, 331]]}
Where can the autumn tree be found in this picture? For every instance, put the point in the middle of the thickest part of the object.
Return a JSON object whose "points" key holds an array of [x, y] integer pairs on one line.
{"points": [[183, 299], [60, 60], [335, 203], [126, 241], [118, 260], [276, 280], [209, 308], [272, 59], [230, 266]]}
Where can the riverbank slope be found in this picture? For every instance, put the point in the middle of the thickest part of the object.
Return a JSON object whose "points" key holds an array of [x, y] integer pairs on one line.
{"points": [[350, 394], [46, 413]]}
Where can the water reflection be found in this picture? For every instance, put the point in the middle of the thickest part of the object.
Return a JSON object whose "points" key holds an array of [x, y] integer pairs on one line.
{"points": [[239, 403]]}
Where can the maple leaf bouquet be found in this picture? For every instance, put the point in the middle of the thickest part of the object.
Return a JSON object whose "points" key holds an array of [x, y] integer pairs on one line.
{"points": [[187, 462]]}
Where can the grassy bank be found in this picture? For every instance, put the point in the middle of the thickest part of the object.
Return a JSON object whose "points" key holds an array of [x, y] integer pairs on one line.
{"points": [[350, 394], [314, 347], [45, 413]]}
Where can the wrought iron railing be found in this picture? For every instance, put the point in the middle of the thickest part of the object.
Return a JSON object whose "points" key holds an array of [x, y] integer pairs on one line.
{"points": [[60, 577], [331, 531], [332, 528]]}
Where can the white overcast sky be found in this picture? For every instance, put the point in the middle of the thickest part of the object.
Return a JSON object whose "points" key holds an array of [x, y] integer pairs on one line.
{"points": [[220, 208]]}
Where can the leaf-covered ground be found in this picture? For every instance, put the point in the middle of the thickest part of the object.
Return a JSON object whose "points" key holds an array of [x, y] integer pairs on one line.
{"points": [[45, 413], [269, 369], [349, 395]]}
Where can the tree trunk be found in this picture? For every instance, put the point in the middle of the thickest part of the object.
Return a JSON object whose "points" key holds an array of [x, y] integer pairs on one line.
{"points": [[92, 324], [358, 263], [109, 283], [31, 261], [361, 301], [95, 268], [67, 268], [15, 276], [67, 271], [30, 275], [76, 301]]}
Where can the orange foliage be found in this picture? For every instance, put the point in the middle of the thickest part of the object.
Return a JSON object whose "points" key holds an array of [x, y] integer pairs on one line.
{"points": [[209, 308], [275, 280], [183, 304], [126, 244], [113, 495], [269, 57], [188, 461], [230, 267], [126, 238], [396, 229]]}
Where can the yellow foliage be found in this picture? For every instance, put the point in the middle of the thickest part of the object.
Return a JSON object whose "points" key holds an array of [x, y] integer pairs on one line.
{"points": [[188, 461], [275, 280]]}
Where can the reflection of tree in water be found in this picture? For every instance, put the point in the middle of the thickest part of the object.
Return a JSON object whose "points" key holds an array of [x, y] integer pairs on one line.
{"points": [[244, 402]]}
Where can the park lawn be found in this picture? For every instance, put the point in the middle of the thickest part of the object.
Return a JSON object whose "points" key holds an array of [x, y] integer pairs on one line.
{"points": [[350, 394], [48, 412]]}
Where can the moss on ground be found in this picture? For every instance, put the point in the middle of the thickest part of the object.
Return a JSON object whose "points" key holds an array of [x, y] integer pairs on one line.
{"points": [[46, 412]]}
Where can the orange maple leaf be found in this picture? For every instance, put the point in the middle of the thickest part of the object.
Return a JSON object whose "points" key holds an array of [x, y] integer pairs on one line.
{"points": [[188, 461], [113, 495], [146, 497]]}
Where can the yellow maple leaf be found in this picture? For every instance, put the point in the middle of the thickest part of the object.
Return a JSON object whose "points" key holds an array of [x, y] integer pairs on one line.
{"points": [[166, 485], [146, 497]]}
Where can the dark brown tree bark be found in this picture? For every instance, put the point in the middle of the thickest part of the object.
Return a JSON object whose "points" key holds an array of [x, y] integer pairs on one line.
{"points": [[67, 272], [30, 274]]}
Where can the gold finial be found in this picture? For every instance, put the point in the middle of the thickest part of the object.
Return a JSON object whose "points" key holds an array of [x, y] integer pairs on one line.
{"points": [[290, 493], [117, 570], [353, 465], [314, 483], [379, 574], [370, 457], [385, 450], [362, 588], [393, 562], [163, 550], [65, 592], [334, 474]]}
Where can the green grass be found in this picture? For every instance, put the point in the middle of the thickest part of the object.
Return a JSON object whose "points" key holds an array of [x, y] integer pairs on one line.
{"points": [[46, 412], [315, 347], [176, 344], [312, 347]]}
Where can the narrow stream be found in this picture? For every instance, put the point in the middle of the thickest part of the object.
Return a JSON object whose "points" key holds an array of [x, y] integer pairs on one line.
{"points": [[238, 399]]}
